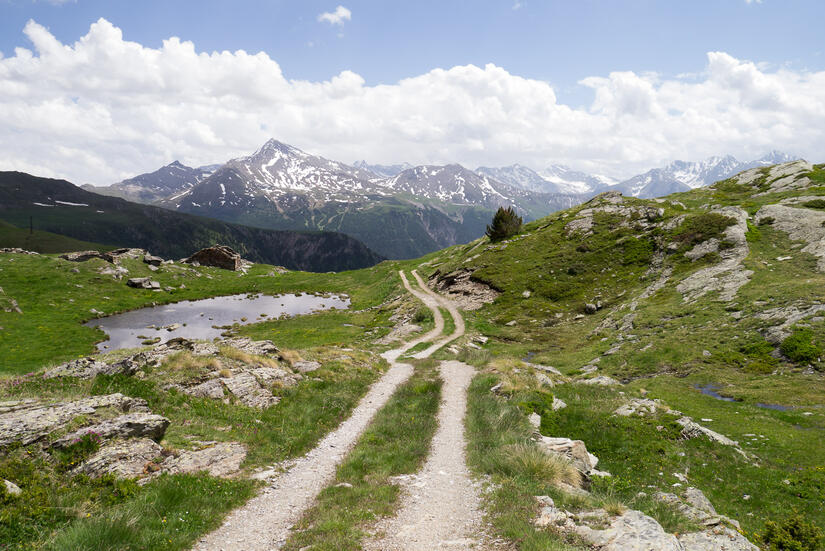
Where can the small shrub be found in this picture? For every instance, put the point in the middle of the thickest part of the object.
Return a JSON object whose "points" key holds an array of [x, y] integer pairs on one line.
{"points": [[815, 204], [792, 534], [702, 227], [77, 452], [505, 224], [422, 314], [799, 346]]}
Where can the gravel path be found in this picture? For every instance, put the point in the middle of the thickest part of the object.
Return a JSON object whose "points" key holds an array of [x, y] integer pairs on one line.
{"points": [[440, 507], [438, 300], [263, 523]]}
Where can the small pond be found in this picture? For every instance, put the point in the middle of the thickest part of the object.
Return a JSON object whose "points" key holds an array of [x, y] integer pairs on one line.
{"points": [[710, 390], [206, 318]]}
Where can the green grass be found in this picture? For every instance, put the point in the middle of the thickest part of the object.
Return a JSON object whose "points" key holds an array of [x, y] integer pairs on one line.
{"points": [[396, 442], [168, 514]]}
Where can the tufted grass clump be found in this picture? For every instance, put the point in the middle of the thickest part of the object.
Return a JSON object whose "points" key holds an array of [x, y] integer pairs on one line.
{"points": [[527, 460]]}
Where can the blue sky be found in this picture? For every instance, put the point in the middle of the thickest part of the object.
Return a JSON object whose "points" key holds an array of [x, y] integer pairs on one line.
{"points": [[557, 41], [99, 90]]}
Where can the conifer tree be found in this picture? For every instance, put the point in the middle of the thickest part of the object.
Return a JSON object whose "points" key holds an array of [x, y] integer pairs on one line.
{"points": [[505, 223]]}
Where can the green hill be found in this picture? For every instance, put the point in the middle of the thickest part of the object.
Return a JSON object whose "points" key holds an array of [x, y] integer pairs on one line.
{"points": [[42, 241], [60, 207]]}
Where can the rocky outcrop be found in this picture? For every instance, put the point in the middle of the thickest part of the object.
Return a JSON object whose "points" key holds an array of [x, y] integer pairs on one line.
{"points": [[87, 368], [462, 289], [16, 250], [220, 459], [638, 406], [635, 531], [27, 421], [152, 260], [729, 275], [218, 256], [612, 202], [790, 316], [123, 458], [83, 256], [142, 283], [130, 425], [246, 388], [258, 348], [304, 366], [800, 224], [600, 380]]}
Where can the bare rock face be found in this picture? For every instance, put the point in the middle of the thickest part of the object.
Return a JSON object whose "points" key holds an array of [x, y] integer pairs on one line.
{"points": [[123, 458], [463, 290], [218, 256], [221, 459], [727, 276], [213, 388], [800, 224], [129, 425], [83, 256], [142, 283], [29, 421]]}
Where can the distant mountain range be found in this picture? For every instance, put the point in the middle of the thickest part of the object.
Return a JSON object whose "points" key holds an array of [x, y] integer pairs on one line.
{"points": [[399, 211], [62, 208], [675, 177]]}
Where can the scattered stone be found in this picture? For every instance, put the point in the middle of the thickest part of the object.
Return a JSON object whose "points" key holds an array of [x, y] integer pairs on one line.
{"points": [[306, 366], [590, 308], [129, 425], [212, 388], [558, 404], [11, 487], [601, 380], [706, 353], [152, 260], [218, 256], [544, 380], [632, 530], [122, 458], [173, 327], [510, 323], [526, 294], [142, 283], [8, 304], [258, 348], [535, 420], [547, 368], [496, 389], [16, 250], [575, 450], [638, 406], [588, 369], [245, 387]]}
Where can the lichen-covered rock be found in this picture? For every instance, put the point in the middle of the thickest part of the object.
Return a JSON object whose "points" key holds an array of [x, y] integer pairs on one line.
{"points": [[692, 429], [212, 388], [12, 488], [245, 344], [27, 423], [129, 425], [218, 256], [575, 450], [631, 531], [142, 283], [122, 458], [600, 380], [152, 260], [87, 368], [717, 538], [800, 224], [246, 388], [221, 459]]}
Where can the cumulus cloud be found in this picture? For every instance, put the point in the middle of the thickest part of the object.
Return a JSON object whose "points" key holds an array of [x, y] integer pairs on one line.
{"points": [[104, 108], [337, 17]]}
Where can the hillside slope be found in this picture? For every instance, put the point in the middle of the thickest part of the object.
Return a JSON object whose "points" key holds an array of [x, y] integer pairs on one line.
{"points": [[59, 207]]}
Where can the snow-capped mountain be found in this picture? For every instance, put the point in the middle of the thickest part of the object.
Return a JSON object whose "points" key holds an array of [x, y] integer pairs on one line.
{"points": [[171, 179], [566, 180], [383, 171], [683, 175], [518, 176]]}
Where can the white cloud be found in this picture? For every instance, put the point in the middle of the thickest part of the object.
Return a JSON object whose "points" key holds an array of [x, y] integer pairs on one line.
{"points": [[103, 109], [753, 1], [338, 17]]}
